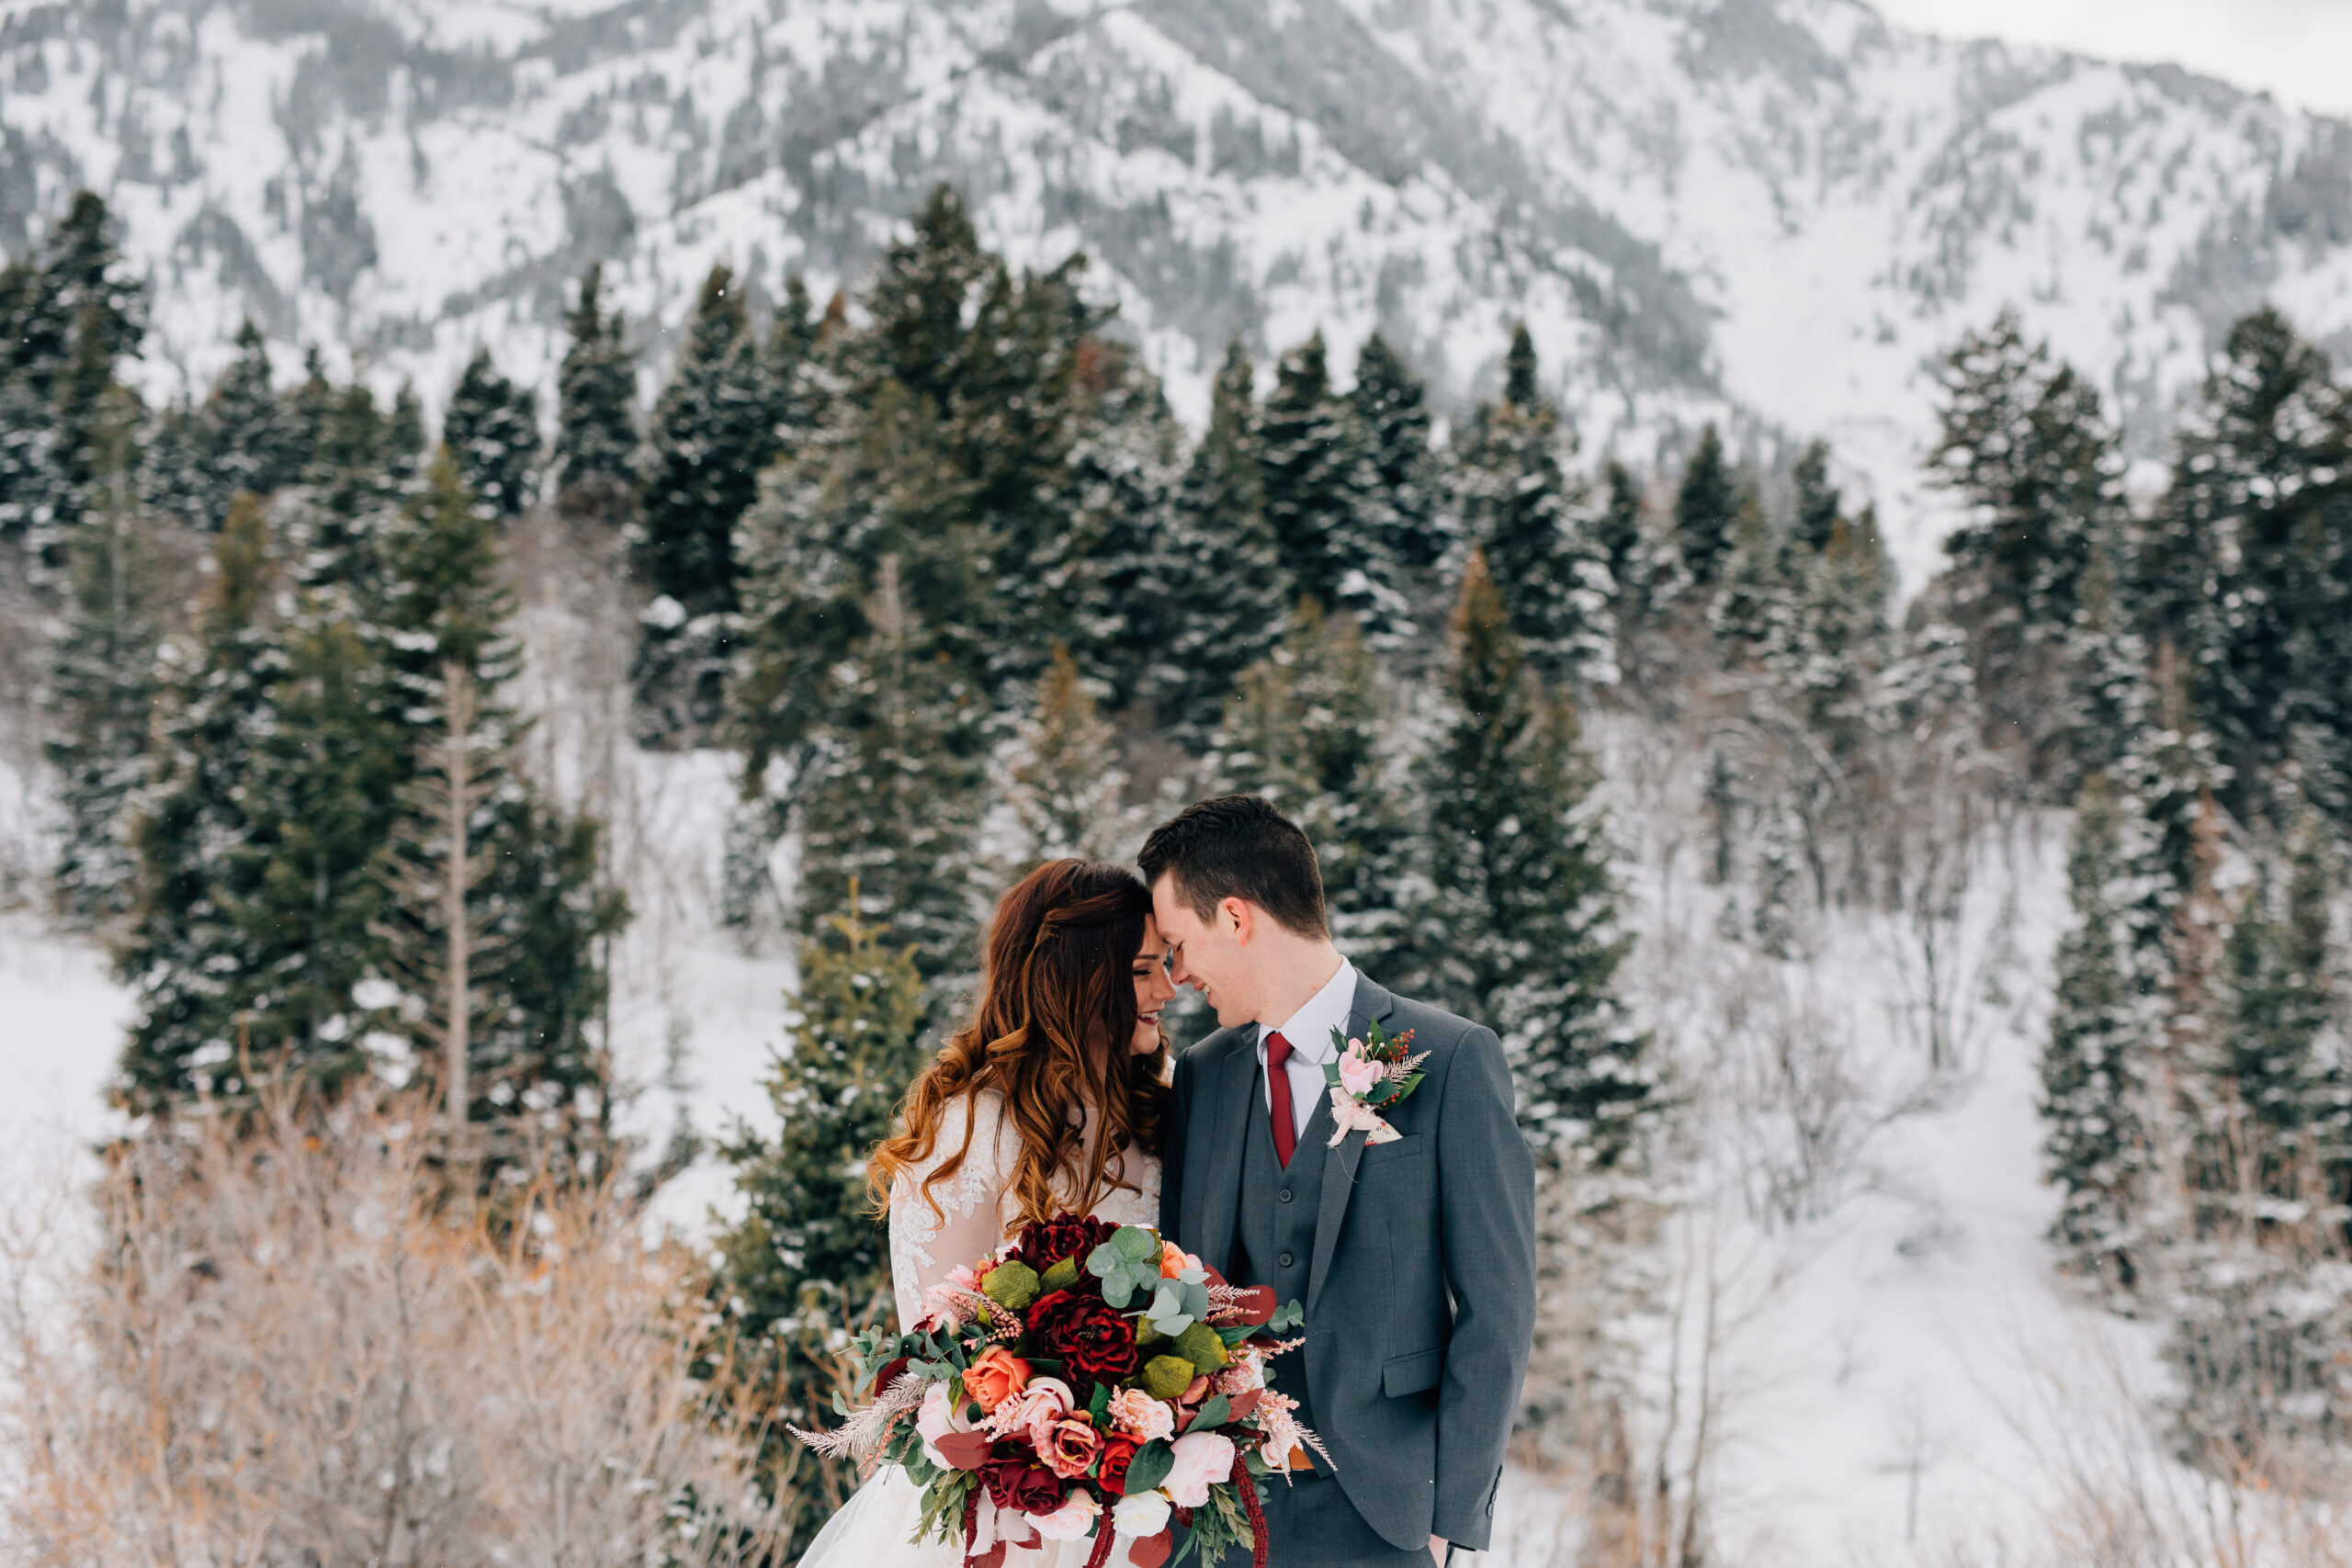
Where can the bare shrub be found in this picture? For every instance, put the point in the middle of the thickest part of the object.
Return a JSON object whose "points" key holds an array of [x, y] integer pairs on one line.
{"points": [[283, 1352]]}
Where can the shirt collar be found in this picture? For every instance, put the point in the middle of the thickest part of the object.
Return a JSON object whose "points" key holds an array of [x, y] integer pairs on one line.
{"points": [[1309, 1029]]}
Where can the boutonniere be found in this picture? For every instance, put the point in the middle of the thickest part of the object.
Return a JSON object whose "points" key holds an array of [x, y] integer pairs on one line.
{"points": [[1370, 1076]]}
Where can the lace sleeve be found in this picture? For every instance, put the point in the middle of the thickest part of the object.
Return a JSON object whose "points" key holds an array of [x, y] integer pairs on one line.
{"points": [[925, 1246]]}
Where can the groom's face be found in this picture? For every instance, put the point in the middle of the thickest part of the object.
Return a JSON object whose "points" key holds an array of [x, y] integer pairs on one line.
{"points": [[1213, 956]]}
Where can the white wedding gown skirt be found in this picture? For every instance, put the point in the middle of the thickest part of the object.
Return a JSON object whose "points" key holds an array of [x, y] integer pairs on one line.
{"points": [[875, 1529]]}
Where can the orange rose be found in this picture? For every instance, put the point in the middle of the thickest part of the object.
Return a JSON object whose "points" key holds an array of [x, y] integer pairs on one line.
{"points": [[1172, 1260], [995, 1376]]}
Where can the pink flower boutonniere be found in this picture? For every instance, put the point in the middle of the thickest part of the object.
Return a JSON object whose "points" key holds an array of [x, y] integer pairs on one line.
{"points": [[1370, 1076]]}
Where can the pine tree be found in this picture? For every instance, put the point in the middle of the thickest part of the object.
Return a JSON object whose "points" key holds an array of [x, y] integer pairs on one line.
{"points": [[1617, 532], [185, 957], [2026, 446], [1752, 614], [596, 442], [1225, 596], [102, 678], [69, 317], [1305, 728], [490, 906], [708, 441], [1520, 926], [1523, 511], [807, 1265], [1125, 468], [1706, 509], [1065, 782], [2100, 1065], [247, 444], [893, 790], [1818, 506], [2261, 485], [1392, 409], [492, 428], [1320, 494], [1840, 641]]}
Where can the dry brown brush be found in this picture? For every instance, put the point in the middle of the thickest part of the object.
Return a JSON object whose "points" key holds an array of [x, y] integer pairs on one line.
{"points": [[282, 1350]]}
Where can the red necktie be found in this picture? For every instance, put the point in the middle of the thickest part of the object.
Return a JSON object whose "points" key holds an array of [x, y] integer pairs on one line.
{"points": [[1278, 1089]]}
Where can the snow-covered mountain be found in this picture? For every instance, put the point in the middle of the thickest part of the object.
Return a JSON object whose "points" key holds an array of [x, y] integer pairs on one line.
{"points": [[1784, 207]]}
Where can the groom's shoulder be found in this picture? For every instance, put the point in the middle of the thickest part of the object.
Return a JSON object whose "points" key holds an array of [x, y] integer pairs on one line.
{"points": [[1214, 1046], [1435, 1030]]}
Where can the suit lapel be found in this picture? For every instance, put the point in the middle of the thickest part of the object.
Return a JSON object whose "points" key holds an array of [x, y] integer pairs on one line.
{"points": [[1232, 1080], [1340, 1165]]}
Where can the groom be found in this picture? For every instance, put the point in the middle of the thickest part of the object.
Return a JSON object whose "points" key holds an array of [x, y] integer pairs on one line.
{"points": [[1415, 1258]]}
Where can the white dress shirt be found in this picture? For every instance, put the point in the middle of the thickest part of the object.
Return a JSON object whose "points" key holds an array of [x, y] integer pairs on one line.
{"points": [[1309, 1033]]}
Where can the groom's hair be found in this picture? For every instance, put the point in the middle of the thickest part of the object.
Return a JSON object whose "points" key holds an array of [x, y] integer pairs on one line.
{"points": [[1238, 846]]}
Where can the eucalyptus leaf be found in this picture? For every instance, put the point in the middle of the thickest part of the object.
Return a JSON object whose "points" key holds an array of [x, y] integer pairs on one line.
{"points": [[1103, 1259], [1136, 1244], [1117, 1290]]}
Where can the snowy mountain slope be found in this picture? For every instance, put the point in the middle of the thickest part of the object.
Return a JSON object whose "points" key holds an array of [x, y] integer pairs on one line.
{"points": [[1783, 204]]}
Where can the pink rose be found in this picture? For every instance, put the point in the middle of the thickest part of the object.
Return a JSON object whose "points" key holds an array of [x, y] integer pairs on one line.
{"points": [[1202, 1459], [1358, 1075], [1074, 1517], [1071, 1445], [1140, 1415], [1033, 1411], [935, 1420]]}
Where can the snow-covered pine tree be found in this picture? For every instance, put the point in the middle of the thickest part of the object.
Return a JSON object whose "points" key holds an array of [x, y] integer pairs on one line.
{"points": [[2101, 1062], [1706, 509], [247, 442], [2025, 446], [2261, 485], [70, 316], [1322, 495], [1124, 466], [1065, 782], [186, 957], [1392, 408], [489, 905], [1304, 726], [1753, 615], [892, 794], [1841, 641], [596, 440], [1617, 532], [1521, 508], [1227, 598], [1520, 922], [707, 443], [492, 428], [101, 685], [1817, 505], [807, 1265]]}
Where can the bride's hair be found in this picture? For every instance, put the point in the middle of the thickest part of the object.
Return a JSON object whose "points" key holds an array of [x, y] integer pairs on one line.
{"points": [[1055, 989]]}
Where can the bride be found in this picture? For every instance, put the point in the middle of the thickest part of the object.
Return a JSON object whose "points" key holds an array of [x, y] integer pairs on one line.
{"points": [[1051, 1101]]}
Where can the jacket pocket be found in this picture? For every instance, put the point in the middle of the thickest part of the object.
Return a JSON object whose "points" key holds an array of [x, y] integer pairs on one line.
{"points": [[1406, 1148], [1414, 1373]]}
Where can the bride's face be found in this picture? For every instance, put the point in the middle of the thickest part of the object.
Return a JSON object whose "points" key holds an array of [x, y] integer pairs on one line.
{"points": [[1153, 988]]}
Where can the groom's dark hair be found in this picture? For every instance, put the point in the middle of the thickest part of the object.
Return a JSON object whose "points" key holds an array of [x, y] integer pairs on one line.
{"points": [[1238, 846]]}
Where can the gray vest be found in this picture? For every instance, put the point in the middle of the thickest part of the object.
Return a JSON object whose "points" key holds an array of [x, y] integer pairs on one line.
{"points": [[1273, 1235]]}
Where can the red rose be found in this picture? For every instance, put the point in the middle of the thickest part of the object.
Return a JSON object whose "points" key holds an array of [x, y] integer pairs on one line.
{"points": [[1048, 1242], [1117, 1450], [1094, 1343], [1021, 1483]]}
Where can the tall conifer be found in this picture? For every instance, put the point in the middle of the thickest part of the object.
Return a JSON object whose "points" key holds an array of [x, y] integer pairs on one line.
{"points": [[491, 429], [1706, 509]]}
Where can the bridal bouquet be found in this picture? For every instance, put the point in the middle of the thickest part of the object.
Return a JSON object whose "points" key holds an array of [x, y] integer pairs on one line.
{"points": [[1086, 1381]]}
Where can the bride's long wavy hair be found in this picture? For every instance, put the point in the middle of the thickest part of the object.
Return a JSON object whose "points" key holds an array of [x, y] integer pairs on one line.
{"points": [[1055, 989]]}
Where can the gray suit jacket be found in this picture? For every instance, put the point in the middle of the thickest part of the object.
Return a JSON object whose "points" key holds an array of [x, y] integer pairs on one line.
{"points": [[1420, 1297]]}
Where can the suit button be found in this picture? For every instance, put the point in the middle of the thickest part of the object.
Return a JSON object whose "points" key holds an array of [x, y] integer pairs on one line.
{"points": [[1285, 1194], [1285, 1260]]}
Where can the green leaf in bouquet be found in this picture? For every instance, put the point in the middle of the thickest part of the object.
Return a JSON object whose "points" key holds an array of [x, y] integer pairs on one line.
{"points": [[1290, 1314], [1213, 1415], [1012, 1285], [1235, 1334], [1098, 1404], [1166, 1313], [1060, 1277], [1136, 1244], [1149, 1467]]}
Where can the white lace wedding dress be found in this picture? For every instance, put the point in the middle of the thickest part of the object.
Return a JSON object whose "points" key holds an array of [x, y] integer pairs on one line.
{"points": [[875, 1529]]}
